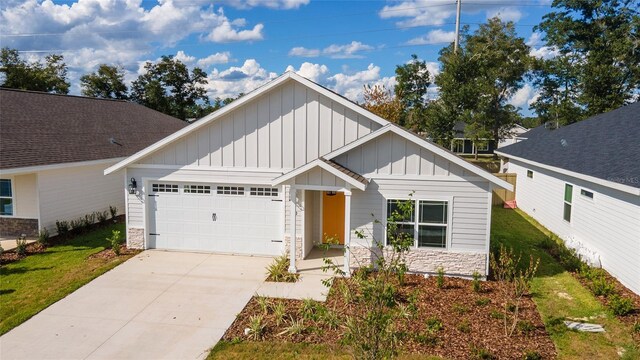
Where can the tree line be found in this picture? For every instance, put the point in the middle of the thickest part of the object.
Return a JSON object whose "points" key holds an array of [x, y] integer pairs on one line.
{"points": [[167, 85], [595, 68]]}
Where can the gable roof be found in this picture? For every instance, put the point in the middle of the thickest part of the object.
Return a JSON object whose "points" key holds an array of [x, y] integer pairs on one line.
{"points": [[603, 148], [357, 180], [39, 129], [536, 132], [292, 76]]}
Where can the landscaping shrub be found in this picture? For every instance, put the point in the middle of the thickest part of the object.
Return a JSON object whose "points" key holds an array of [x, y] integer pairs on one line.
{"points": [[532, 355], [460, 309], [43, 237], [116, 241], [278, 270], [279, 310], [256, 327], [434, 324], [601, 286], [481, 354], [102, 216], [555, 325], [264, 304], [62, 227], [21, 246], [114, 212], [440, 278], [464, 326], [476, 284], [620, 305], [483, 301], [525, 327], [636, 327], [566, 256], [296, 327]]}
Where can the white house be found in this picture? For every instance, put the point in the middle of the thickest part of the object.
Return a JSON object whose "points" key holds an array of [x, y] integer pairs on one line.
{"points": [[234, 181], [54, 149], [582, 182]]}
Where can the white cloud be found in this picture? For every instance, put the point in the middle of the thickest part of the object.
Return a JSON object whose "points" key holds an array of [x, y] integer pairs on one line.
{"points": [[351, 85], [334, 51], [187, 59], [236, 80], [541, 52], [507, 13], [227, 32], [436, 12], [272, 4], [437, 36], [524, 96], [217, 58], [314, 72]]}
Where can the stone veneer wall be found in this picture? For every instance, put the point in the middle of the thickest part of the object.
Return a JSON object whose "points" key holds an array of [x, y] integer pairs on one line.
{"points": [[10, 226], [287, 241], [428, 261], [135, 238]]}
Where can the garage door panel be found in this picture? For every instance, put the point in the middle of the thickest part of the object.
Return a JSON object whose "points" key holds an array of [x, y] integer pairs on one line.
{"points": [[242, 223]]}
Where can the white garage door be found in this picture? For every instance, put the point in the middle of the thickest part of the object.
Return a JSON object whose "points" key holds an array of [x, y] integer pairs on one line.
{"points": [[213, 217]]}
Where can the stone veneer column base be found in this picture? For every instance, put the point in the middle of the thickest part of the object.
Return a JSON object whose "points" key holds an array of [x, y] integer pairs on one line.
{"points": [[287, 241], [14, 227], [428, 261], [135, 238]]}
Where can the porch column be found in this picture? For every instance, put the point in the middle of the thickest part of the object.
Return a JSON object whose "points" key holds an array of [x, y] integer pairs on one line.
{"points": [[347, 233], [292, 232]]}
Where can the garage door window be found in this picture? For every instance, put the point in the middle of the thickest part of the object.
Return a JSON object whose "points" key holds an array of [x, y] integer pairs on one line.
{"points": [[164, 188], [259, 191], [197, 189], [230, 190]]}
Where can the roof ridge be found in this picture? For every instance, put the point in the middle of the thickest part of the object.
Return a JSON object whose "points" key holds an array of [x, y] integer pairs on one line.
{"points": [[62, 95]]}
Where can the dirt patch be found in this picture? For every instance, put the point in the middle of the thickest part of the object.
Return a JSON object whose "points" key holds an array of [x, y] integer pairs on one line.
{"points": [[109, 254], [469, 320]]}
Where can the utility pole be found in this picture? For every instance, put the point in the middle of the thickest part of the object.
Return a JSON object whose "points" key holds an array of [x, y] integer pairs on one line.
{"points": [[457, 39]]}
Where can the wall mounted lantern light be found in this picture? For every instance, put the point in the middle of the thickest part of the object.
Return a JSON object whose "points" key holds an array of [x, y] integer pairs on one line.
{"points": [[331, 193], [133, 186]]}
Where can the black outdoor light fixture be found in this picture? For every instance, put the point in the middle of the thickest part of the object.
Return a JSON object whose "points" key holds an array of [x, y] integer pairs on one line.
{"points": [[331, 193], [133, 185]]}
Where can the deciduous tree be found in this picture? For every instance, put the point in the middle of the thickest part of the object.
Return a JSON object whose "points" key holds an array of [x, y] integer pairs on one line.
{"points": [[383, 103], [106, 82], [47, 76], [413, 81]]}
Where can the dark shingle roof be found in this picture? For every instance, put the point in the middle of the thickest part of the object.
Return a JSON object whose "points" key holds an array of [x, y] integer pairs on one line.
{"points": [[346, 171], [536, 132], [42, 129], [604, 146]]}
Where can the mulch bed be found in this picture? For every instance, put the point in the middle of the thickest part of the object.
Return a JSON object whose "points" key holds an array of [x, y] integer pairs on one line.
{"points": [[109, 254], [469, 322], [629, 319], [10, 256]]}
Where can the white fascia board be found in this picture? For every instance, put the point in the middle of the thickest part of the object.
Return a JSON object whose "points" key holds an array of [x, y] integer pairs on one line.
{"points": [[427, 145], [610, 184], [318, 163], [32, 169], [199, 123]]}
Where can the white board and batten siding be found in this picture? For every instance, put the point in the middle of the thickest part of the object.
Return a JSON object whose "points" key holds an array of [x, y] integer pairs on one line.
{"points": [[283, 129], [607, 224], [70, 193]]}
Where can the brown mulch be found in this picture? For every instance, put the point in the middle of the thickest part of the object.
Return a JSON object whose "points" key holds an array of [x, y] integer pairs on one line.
{"points": [[10, 256], [622, 291], [109, 254], [468, 324]]}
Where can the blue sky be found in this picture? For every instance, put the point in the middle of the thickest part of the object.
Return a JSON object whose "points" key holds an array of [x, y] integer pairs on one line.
{"points": [[242, 44]]}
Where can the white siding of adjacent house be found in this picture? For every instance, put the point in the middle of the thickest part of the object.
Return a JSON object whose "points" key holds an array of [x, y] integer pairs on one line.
{"points": [[69, 193], [470, 214], [608, 224], [287, 127]]}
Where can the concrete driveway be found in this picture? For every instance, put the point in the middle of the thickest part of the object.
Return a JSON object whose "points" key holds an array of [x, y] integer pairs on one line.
{"points": [[158, 305]]}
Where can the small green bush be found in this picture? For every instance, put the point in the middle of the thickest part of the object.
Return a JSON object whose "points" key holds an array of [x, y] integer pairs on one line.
{"points": [[476, 284], [116, 241], [483, 301], [601, 286], [464, 326], [43, 237], [113, 211], [434, 324], [481, 354], [312, 310], [62, 227], [555, 325], [636, 327], [620, 305], [440, 278], [279, 310], [90, 219], [460, 309], [264, 304], [278, 270], [532, 355], [525, 327], [547, 244], [427, 338], [296, 327], [21, 246], [496, 314], [256, 327], [102, 216]]}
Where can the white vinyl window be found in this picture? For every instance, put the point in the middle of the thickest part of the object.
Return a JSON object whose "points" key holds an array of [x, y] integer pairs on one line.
{"points": [[568, 201], [197, 189], [530, 174], [164, 188], [586, 193], [427, 223], [6, 197], [230, 190], [260, 191]]}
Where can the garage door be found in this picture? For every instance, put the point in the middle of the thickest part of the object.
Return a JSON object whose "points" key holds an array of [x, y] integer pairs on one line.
{"points": [[216, 217]]}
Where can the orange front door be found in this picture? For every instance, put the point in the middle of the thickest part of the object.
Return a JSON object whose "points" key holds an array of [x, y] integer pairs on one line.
{"points": [[333, 216]]}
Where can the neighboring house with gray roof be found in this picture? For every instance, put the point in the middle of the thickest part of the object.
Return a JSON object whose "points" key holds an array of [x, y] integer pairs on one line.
{"points": [[54, 148], [464, 146], [582, 181]]}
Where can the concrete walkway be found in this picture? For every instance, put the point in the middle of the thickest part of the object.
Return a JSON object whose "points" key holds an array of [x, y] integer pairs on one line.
{"points": [[10, 244], [158, 305]]}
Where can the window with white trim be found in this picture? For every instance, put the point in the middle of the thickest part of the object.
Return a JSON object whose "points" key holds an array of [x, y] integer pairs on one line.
{"points": [[164, 188], [530, 174], [426, 223], [261, 191], [568, 200], [586, 193], [230, 190], [6, 197], [482, 146], [197, 189]]}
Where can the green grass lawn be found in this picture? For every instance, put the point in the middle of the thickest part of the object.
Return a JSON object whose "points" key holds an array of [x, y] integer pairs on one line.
{"points": [[558, 294], [31, 284]]}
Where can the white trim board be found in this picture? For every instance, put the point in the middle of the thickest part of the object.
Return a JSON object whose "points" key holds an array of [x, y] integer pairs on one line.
{"points": [[323, 165], [610, 184], [31, 169]]}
